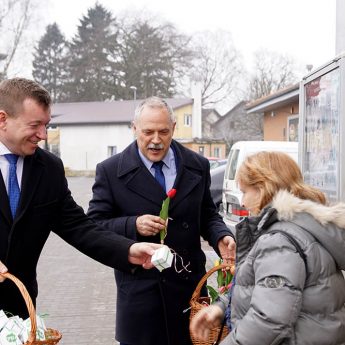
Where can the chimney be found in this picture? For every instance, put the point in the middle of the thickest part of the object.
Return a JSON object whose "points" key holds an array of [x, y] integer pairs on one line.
{"points": [[196, 116]]}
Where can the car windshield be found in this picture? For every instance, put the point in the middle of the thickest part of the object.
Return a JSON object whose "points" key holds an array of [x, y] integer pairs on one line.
{"points": [[213, 164], [232, 163]]}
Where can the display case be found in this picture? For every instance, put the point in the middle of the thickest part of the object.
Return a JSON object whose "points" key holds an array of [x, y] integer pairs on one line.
{"points": [[321, 129]]}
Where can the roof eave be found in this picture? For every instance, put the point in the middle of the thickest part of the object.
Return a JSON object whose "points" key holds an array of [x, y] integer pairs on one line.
{"points": [[275, 102]]}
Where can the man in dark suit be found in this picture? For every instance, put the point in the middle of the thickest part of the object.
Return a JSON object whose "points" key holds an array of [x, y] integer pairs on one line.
{"points": [[35, 199], [152, 307]]}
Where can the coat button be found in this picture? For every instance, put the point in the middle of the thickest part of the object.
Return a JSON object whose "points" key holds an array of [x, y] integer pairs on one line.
{"points": [[185, 225], [184, 252]]}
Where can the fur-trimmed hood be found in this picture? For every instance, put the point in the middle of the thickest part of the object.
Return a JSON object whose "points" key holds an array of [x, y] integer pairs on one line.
{"points": [[325, 223]]}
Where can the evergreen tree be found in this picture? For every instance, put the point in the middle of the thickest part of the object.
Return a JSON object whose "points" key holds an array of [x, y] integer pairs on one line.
{"points": [[49, 62], [151, 59], [91, 69]]}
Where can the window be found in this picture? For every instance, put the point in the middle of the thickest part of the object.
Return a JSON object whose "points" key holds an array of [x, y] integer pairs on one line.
{"points": [[202, 150], [216, 152], [187, 120], [55, 149], [292, 128], [112, 150]]}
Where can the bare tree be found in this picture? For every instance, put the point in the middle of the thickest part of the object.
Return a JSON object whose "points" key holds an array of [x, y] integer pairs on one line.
{"points": [[216, 65], [14, 19], [272, 72]]}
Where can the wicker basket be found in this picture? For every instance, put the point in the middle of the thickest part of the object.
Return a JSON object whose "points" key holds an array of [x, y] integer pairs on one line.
{"points": [[52, 336], [198, 303]]}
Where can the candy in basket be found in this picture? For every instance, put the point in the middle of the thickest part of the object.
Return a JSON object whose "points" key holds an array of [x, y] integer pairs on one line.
{"points": [[14, 330]]}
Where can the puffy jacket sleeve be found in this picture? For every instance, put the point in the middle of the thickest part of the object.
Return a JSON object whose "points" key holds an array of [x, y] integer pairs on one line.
{"points": [[275, 300]]}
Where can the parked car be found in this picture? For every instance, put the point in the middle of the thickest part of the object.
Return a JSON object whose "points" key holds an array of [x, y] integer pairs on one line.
{"points": [[231, 209], [216, 188], [216, 162]]}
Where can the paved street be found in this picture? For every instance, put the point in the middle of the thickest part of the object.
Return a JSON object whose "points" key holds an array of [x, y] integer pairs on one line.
{"points": [[77, 293]]}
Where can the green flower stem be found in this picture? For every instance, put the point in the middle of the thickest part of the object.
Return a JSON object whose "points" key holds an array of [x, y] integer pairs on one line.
{"points": [[164, 215]]}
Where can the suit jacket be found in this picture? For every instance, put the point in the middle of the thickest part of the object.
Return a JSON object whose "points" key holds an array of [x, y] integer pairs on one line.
{"points": [[152, 301], [46, 205]]}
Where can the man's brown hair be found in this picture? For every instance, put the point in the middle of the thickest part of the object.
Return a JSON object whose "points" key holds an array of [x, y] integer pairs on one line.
{"points": [[14, 91]]}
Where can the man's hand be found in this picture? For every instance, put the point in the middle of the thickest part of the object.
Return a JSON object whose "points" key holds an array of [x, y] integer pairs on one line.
{"points": [[3, 269], [227, 249], [149, 225], [141, 253]]}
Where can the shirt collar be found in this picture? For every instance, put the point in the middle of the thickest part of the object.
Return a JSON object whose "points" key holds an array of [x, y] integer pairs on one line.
{"points": [[3, 149], [168, 159]]}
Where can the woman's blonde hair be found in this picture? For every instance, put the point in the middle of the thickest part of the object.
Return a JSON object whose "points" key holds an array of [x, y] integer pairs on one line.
{"points": [[270, 172]]}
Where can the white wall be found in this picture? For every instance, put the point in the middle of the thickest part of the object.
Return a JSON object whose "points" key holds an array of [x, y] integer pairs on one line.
{"points": [[82, 147]]}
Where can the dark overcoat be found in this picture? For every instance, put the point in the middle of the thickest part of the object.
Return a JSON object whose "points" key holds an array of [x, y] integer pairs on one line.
{"points": [[152, 307], [46, 205]]}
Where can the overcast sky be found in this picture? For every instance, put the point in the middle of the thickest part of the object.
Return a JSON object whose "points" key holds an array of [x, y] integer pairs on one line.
{"points": [[304, 29]]}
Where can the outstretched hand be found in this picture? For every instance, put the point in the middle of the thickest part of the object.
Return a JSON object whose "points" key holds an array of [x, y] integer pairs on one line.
{"points": [[3, 269], [141, 253], [227, 249]]}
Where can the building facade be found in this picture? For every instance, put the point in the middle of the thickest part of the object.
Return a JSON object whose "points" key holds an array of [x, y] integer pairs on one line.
{"points": [[280, 114]]}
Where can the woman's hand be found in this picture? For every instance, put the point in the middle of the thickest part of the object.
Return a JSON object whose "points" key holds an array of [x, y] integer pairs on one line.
{"points": [[206, 319]]}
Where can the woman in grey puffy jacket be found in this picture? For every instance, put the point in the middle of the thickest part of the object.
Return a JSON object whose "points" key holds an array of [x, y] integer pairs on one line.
{"points": [[289, 285]]}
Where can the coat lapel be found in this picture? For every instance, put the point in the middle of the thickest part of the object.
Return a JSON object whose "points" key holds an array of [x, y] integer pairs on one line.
{"points": [[32, 171], [137, 178], [185, 182], [4, 202], [187, 178]]}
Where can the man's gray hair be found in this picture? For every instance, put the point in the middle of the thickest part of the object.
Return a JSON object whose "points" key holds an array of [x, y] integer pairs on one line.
{"points": [[154, 102]]}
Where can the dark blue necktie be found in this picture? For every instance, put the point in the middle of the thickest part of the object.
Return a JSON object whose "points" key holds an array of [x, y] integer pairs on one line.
{"points": [[13, 186], [159, 176]]}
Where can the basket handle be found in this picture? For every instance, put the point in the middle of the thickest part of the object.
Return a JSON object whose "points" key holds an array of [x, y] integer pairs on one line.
{"points": [[28, 302], [227, 267]]}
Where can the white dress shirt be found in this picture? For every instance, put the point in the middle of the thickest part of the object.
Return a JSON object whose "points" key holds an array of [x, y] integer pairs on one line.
{"points": [[169, 168], [5, 166]]}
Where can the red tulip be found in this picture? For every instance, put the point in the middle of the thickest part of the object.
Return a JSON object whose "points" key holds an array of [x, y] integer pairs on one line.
{"points": [[171, 193], [222, 289]]}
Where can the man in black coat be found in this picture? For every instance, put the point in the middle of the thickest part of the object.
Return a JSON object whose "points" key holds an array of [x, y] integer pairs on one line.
{"points": [[152, 307], [45, 202]]}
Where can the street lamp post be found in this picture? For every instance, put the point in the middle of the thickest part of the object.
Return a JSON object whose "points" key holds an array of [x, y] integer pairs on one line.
{"points": [[134, 88]]}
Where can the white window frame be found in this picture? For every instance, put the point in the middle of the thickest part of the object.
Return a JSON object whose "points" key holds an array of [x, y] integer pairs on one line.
{"points": [[187, 120]]}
